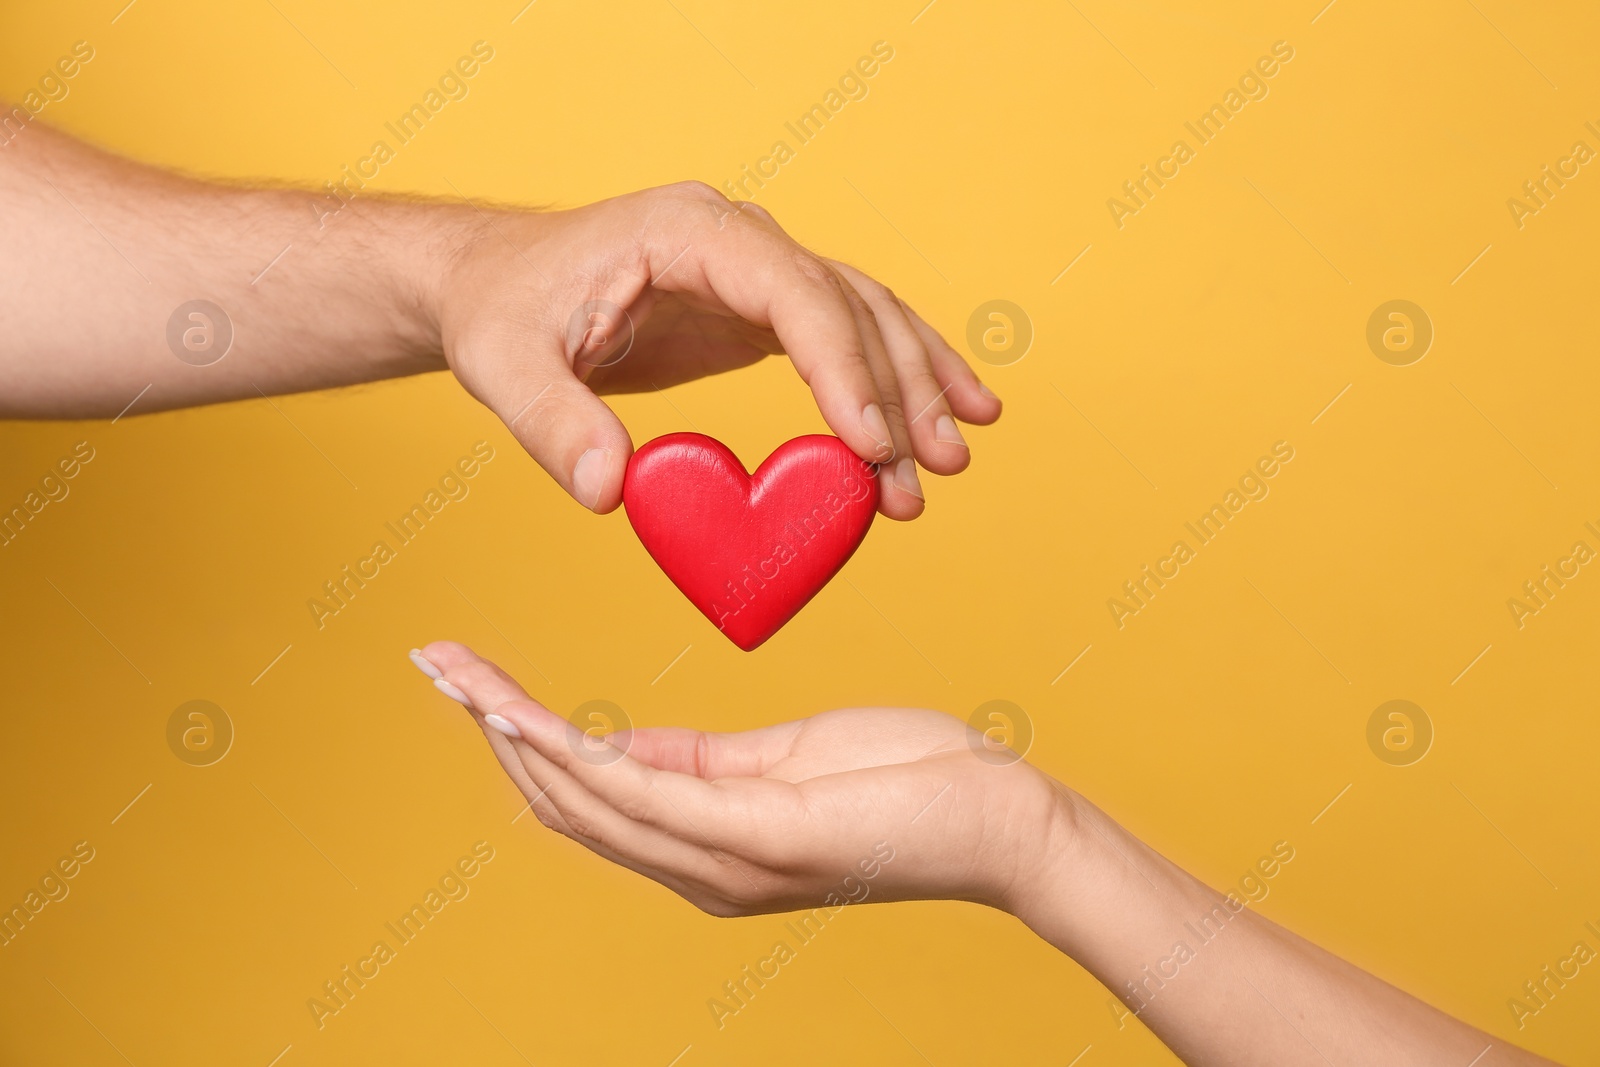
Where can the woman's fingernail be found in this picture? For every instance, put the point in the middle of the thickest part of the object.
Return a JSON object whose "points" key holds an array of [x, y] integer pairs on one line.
{"points": [[589, 476], [423, 665], [905, 477], [503, 724], [946, 432], [451, 691], [986, 391], [873, 422]]}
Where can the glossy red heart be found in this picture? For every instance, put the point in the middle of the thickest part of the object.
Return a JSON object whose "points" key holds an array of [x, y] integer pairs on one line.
{"points": [[749, 550]]}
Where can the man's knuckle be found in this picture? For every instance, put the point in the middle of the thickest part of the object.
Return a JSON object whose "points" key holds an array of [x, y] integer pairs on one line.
{"points": [[749, 209], [860, 305], [893, 406], [813, 271], [695, 189], [880, 293], [922, 378]]}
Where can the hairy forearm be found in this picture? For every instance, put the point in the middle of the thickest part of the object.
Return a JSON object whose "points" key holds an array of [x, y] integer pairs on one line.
{"points": [[101, 254], [1218, 983]]}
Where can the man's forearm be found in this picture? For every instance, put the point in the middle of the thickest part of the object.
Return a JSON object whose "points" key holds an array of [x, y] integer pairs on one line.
{"points": [[1217, 982], [126, 284], [105, 259]]}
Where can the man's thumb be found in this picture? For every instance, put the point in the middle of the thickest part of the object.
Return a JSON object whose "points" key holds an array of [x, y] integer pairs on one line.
{"points": [[570, 432]]}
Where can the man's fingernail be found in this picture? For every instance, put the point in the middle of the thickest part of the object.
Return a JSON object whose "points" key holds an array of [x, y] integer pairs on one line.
{"points": [[423, 665], [452, 692], [589, 476], [873, 422], [986, 391], [503, 724], [905, 477], [946, 432]]}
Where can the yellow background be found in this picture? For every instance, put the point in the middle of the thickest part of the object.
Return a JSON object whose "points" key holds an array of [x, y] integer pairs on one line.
{"points": [[1224, 717]]}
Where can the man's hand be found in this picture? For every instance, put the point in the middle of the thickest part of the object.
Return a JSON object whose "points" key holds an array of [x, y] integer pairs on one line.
{"points": [[536, 312], [540, 312]]}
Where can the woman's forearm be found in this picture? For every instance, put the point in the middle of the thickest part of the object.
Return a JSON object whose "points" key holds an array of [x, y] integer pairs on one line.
{"points": [[1217, 982], [106, 260]]}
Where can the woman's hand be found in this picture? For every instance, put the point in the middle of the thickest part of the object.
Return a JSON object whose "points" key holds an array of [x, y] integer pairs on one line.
{"points": [[538, 313], [777, 818], [891, 804]]}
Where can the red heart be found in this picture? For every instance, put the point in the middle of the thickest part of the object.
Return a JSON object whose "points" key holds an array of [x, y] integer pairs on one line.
{"points": [[749, 550]]}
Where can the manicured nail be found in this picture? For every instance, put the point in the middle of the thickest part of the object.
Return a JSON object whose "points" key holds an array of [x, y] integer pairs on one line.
{"points": [[589, 476], [423, 665], [905, 477], [986, 391], [451, 691], [503, 724], [873, 422], [946, 432]]}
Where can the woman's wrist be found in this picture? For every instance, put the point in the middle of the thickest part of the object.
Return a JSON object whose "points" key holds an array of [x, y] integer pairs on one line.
{"points": [[1049, 853], [1093, 890]]}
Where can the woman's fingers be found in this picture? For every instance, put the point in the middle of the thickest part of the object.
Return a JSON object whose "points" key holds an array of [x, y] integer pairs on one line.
{"points": [[678, 804], [564, 774], [710, 817], [541, 783], [748, 754], [738, 822], [481, 687], [557, 798], [669, 823], [493, 685]]}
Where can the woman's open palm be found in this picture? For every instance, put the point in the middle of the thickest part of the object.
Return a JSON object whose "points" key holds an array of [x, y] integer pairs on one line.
{"points": [[774, 818]]}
